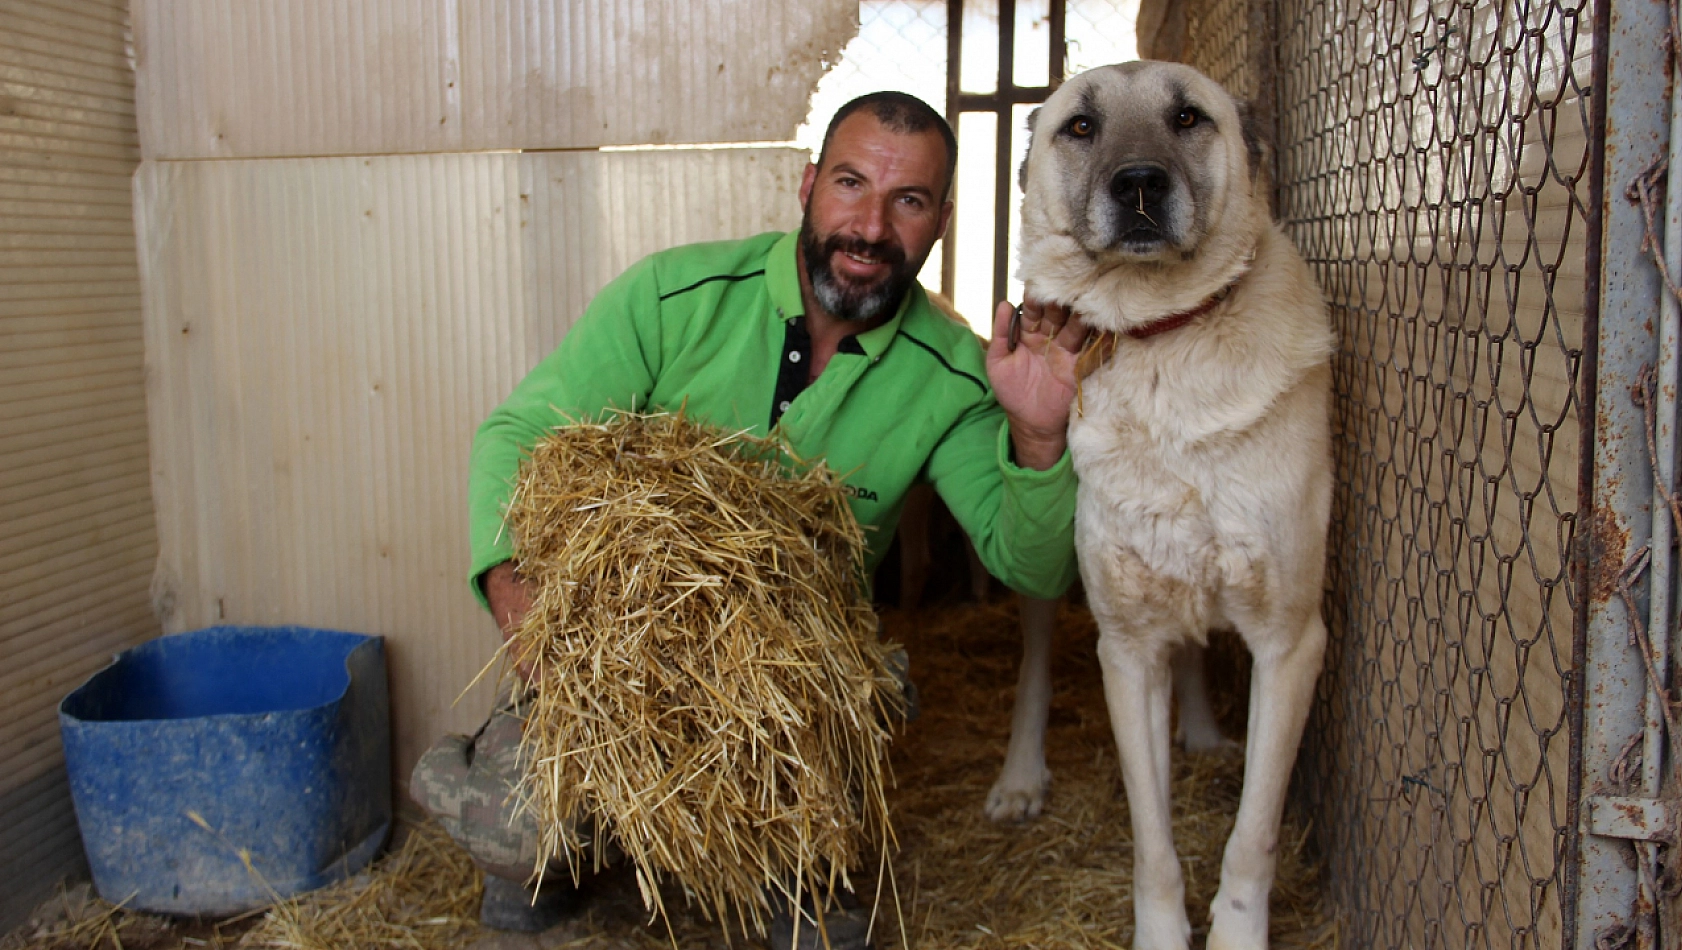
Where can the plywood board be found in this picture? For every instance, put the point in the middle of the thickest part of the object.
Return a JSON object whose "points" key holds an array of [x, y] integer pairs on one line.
{"points": [[218, 79]]}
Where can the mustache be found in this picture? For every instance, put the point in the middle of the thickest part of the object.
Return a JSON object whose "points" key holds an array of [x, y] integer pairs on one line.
{"points": [[888, 252]]}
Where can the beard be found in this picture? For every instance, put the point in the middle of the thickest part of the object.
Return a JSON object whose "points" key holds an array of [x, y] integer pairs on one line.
{"points": [[842, 298]]}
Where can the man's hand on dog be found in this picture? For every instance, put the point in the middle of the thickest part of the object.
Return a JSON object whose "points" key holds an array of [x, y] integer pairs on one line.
{"points": [[1035, 378], [510, 596]]}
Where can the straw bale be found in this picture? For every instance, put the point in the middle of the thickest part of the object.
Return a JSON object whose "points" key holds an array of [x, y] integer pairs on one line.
{"points": [[706, 685]]}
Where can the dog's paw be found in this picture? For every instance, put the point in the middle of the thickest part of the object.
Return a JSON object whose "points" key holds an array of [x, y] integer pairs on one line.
{"points": [[1014, 800]]}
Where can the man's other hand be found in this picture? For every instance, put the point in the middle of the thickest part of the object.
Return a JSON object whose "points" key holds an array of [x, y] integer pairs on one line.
{"points": [[1035, 382], [510, 596]]}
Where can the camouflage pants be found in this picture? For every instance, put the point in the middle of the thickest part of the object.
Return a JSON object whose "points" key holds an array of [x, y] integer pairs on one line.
{"points": [[467, 784]]}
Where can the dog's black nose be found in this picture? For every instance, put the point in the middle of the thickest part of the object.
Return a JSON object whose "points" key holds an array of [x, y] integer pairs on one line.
{"points": [[1140, 185]]}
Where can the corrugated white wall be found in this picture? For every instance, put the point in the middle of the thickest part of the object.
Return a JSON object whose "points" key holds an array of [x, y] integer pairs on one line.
{"points": [[77, 542], [348, 262]]}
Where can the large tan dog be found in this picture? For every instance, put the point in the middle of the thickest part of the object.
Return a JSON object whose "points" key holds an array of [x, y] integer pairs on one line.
{"points": [[1201, 440]]}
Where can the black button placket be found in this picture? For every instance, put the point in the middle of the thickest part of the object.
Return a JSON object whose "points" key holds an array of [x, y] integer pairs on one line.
{"points": [[794, 369]]}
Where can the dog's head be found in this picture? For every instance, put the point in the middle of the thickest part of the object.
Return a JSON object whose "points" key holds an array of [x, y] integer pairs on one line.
{"points": [[1141, 162]]}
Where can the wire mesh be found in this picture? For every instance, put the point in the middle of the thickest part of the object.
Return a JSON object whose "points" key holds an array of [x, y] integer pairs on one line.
{"points": [[1217, 42], [1432, 165], [901, 45], [1098, 32]]}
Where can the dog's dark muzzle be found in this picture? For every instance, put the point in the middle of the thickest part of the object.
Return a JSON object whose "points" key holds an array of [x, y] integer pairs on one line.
{"points": [[1141, 196]]}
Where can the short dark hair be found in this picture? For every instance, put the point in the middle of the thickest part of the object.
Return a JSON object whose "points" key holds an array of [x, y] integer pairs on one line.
{"points": [[902, 113]]}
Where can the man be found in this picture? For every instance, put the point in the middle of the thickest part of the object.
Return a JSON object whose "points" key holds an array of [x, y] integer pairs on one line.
{"points": [[825, 336]]}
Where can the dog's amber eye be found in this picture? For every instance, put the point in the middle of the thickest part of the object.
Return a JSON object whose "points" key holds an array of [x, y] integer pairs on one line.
{"points": [[1187, 118], [1080, 127]]}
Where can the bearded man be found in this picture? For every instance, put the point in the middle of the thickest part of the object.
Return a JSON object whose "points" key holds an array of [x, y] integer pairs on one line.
{"points": [[825, 336]]}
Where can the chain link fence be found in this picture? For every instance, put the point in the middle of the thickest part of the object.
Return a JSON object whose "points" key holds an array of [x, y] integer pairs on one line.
{"points": [[901, 44], [1098, 32], [1432, 166]]}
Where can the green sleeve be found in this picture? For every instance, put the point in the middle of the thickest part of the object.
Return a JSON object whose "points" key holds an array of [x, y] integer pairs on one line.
{"points": [[609, 359], [1021, 521]]}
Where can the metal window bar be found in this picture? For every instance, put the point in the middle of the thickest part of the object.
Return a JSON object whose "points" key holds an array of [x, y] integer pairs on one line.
{"points": [[1000, 102]]}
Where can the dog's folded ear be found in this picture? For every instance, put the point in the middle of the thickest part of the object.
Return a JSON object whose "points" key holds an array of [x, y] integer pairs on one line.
{"points": [[1259, 157], [1255, 145], [1022, 170]]}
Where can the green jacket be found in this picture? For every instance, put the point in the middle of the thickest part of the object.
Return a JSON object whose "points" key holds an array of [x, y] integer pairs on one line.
{"points": [[706, 326]]}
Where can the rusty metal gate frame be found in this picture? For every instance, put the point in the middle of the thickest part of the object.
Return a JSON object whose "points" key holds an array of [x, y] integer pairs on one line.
{"points": [[1627, 545]]}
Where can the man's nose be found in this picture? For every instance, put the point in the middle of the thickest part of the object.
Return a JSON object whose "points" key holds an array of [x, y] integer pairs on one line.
{"points": [[872, 221]]}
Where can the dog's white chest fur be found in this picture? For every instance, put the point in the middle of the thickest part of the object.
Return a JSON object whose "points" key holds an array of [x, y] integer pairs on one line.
{"points": [[1157, 498]]}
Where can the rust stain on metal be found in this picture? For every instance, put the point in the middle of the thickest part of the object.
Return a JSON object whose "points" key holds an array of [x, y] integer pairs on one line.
{"points": [[1635, 815], [1606, 543]]}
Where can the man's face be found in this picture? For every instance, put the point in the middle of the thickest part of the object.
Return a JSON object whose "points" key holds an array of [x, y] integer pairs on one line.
{"points": [[872, 212]]}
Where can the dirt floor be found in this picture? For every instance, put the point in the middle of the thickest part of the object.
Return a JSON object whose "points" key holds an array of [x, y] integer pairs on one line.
{"points": [[1061, 881]]}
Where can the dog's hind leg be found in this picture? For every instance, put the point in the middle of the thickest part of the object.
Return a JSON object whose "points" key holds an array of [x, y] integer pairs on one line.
{"points": [[1196, 728], [1020, 791], [1137, 690], [1281, 690]]}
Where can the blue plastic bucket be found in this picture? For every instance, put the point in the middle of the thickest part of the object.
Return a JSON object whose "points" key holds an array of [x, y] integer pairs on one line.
{"points": [[193, 754]]}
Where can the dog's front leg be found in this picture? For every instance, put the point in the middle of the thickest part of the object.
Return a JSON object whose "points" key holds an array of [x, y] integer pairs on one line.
{"points": [[1020, 791], [1137, 688], [1281, 690]]}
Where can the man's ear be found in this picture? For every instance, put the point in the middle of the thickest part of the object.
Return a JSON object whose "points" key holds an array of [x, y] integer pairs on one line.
{"points": [[945, 219], [806, 180]]}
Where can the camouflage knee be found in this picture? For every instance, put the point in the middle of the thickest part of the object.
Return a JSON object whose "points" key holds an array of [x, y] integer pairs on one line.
{"points": [[467, 784]]}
